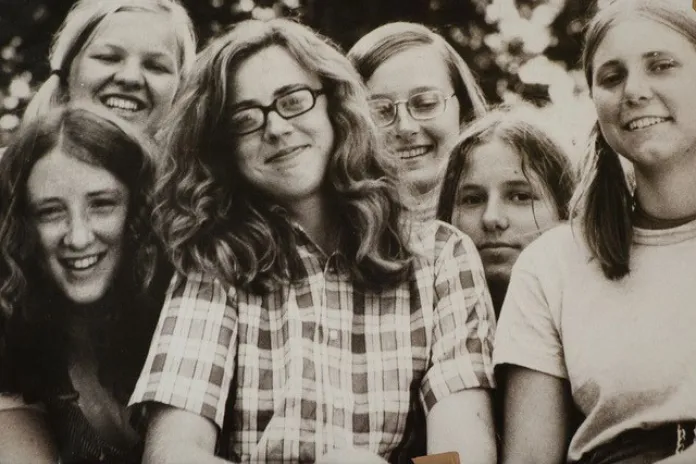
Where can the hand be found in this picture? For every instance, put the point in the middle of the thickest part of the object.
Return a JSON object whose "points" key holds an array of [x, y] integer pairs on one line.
{"points": [[350, 456]]}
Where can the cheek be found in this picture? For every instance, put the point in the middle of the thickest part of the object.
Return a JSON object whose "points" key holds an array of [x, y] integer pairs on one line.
{"points": [[163, 89], [443, 130], [468, 220], [531, 222]]}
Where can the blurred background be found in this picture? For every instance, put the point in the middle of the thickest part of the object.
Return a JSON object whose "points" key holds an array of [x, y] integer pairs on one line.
{"points": [[518, 49]]}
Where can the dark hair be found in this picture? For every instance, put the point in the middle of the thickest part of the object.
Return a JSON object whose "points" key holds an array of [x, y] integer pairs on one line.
{"points": [[214, 221], [28, 296], [539, 154], [604, 201], [378, 45]]}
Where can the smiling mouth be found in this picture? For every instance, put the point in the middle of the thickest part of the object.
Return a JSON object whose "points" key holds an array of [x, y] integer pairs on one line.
{"points": [[286, 153], [128, 105], [642, 123], [496, 246], [83, 263], [413, 152]]}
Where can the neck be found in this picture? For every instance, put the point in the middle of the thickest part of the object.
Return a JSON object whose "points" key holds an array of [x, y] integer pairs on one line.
{"points": [[315, 216], [669, 193]]}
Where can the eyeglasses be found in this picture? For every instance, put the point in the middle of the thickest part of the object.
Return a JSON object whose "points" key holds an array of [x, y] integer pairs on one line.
{"points": [[289, 105], [421, 106]]}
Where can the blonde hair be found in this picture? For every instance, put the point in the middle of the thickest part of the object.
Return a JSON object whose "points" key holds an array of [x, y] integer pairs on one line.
{"points": [[604, 200], [78, 30], [375, 47]]}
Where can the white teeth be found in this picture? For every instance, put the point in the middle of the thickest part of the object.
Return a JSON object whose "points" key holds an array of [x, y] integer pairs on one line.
{"points": [[122, 104], [82, 263], [642, 123], [413, 152]]}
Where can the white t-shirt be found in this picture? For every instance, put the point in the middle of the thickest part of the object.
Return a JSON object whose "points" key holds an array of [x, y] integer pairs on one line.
{"points": [[628, 347]]}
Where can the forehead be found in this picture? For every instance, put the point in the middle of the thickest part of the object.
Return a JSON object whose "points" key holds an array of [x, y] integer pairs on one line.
{"points": [[494, 160], [59, 175], [141, 31], [416, 67], [631, 38], [266, 71]]}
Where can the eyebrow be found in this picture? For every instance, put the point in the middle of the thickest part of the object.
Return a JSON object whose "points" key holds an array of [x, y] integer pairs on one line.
{"points": [[151, 53], [413, 91], [97, 193], [644, 56], [276, 93]]}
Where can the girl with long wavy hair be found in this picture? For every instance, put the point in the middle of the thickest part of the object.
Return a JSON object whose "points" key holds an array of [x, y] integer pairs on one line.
{"points": [[305, 317], [81, 275], [599, 314]]}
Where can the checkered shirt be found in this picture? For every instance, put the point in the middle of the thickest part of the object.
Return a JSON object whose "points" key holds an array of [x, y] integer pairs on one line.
{"points": [[322, 363]]}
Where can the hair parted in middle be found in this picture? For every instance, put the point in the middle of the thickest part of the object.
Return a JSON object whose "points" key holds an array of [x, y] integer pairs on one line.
{"points": [[378, 45], [604, 200], [97, 137], [213, 220], [520, 128]]}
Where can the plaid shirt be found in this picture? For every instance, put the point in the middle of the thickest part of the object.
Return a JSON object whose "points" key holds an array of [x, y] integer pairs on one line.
{"points": [[323, 364]]}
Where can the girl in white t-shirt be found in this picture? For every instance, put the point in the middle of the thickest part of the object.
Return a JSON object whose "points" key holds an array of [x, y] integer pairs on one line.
{"points": [[600, 314]]}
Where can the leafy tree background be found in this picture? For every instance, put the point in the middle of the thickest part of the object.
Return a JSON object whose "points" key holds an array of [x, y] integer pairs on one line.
{"points": [[518, 49]]}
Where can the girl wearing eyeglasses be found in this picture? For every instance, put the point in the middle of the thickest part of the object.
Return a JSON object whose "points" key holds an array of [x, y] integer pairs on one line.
{"points": [[305, 319], [421, 92]]}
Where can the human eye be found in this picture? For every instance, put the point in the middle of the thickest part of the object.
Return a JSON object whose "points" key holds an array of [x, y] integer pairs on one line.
{"points": [[609, 79], [522, 197], [426, 100], [45, 214], [381, 108], [245, 120], [105, 56], [160, 66], [661, 65], [105, 204], [471, 199], [296, 101]]}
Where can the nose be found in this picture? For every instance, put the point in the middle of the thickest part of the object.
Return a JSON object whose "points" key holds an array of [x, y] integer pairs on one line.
{"points": [[79, 234], [276, 126], [129, 72], [495, 216], [406, 126], [637, 88]]}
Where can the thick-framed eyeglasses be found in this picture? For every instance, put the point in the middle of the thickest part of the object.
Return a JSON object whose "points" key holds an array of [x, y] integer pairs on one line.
{"points": [[421, 106], [289, 105]]}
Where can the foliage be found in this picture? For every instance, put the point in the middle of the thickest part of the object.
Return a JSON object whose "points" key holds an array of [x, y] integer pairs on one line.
{"points": [[524, 49]]}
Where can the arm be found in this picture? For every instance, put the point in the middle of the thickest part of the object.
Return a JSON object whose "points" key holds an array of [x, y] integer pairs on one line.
{"points": [[25, 437], [536, 411], [463, 422], [456, 388], [177, 436]]}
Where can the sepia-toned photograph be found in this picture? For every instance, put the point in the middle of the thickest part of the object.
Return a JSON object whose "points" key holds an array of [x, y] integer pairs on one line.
{"points": [[347, 231]]}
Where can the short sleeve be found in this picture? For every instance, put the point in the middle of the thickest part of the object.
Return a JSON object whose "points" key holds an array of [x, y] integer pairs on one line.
{"points": [[463, 322], [528, 334], [191, 359]]}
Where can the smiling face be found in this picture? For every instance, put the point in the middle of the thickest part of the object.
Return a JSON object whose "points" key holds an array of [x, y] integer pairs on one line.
{"points": [[79, 212], [644, 90], [130, 66], [286, 158], [422, 146], [500, 208]]}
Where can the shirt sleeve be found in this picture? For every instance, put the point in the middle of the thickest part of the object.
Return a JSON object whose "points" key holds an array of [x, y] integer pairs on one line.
{"points": [[191, 360], [463, 323], [527, 334]]}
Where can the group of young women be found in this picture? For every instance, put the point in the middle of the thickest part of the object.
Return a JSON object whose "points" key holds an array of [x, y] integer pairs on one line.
{"points": [[272, 251]]}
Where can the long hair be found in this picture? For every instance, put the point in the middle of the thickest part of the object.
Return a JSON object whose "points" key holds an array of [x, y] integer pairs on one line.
{"points": [[93, 136], [34, 310], [80, 27], [604, 200], [540, 155], [387, 40], [213, 220]]}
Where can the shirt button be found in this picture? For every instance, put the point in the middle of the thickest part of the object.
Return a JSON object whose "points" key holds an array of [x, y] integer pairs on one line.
{"points": [[333, 334]]}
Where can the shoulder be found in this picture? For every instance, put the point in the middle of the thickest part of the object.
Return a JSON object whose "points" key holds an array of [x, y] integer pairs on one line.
{"points": [[559, 245], [436, 239]]}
